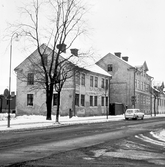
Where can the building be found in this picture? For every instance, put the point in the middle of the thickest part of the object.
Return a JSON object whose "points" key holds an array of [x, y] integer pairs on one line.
{"points": [[4, 104], [85, 94], [158, 98], [130, 85]]}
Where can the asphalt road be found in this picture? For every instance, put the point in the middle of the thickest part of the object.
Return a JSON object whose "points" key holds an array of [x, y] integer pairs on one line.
{"points": [[97, 144]]}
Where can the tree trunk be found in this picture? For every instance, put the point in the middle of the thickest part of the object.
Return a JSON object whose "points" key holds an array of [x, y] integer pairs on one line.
{"points": [[58, 107], [49, 97]]}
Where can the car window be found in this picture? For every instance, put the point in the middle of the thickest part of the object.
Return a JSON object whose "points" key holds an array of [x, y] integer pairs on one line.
{"points": [[129, 111]]}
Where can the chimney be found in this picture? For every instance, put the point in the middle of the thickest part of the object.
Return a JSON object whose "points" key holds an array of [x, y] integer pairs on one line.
{"points": [[62, 47], [74, 52], [118, 54], [125, 58]]}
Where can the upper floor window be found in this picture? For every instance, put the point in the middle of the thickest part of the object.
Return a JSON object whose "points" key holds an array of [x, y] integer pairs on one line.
{"points": [[109, 67], [29, 99], [96, 82], [30, 79], [102, 83], [77, 76], [106, 86], [91, 81], [44, 59], [83, 79]]}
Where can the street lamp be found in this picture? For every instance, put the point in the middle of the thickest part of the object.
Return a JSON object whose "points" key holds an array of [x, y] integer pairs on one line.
{"points": [[9, 96]]}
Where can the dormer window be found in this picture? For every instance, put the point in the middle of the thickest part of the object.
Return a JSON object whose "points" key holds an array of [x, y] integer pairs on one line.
{"points": [[110, 67]]}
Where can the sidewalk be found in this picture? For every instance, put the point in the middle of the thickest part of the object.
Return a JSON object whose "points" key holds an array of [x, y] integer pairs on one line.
{"points": [[34, 121]]}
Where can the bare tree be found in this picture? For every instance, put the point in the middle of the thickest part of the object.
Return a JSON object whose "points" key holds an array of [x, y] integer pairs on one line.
{"points": [[63, 25]]}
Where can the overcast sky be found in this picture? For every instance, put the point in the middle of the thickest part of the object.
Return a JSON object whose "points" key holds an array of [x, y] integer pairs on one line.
{"points": [[136, 28]]}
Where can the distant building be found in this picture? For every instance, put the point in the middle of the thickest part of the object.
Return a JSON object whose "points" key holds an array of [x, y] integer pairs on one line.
{"points": [[4, 104], [130, 85], [85, 94], [158, 98]]}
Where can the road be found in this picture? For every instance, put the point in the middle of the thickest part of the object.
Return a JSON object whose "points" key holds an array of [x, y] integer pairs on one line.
{"points": [[84, 145]]}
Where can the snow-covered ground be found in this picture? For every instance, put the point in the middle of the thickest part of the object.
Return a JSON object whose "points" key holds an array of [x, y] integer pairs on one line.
{"points": [[34, 121]]}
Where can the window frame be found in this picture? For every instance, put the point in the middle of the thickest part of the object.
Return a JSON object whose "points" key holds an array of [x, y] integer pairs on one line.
{"points": [[102, 83], [96, 82], [82, 100], [82, 79], [91, 81], [55, 99], [95, 100], [102, 100], [30, 99], [110, 67], [91, 101], [77, 96], [30, 78]]}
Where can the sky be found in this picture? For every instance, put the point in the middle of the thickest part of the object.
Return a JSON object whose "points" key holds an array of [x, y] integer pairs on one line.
{"points": [[136, 28]]}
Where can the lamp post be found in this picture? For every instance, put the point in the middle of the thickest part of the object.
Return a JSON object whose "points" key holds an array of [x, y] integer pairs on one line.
{"points": [[9, 96]]}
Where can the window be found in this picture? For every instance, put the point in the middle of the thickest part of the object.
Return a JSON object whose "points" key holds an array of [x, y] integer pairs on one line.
{"points": [[91, 81], [110, 67], [29, 99], [96, 82], [83, 79], [135, 83], [102, 101], [77, 99], [55, 99], [83, 100], [77, 78], [106, 101], [91, 100], [30, 79], [45, 59], [102, 83], [106, 86], [95, 101]]}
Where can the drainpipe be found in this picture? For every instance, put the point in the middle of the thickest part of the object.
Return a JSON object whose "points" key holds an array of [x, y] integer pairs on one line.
{"points": [[151, 95], [74, 93], [109, 96]]}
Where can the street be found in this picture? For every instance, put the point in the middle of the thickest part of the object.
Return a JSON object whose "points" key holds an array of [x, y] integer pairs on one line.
{"points": [[98, 144]]}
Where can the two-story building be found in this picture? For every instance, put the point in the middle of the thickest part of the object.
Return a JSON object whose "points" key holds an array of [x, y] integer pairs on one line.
{"points": [[130, 85], [85, 94]]}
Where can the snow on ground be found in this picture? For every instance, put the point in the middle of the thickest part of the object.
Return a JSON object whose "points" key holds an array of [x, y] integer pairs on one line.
{"points": [[34, 121]]}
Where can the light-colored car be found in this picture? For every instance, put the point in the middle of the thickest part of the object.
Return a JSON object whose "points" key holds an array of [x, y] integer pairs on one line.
{"points": [[134, 114]]}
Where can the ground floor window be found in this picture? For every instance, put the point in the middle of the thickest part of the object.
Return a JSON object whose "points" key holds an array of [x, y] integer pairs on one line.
{"points": [[106, 101], [55, 99], [91, 100], [102, 101], [77, 99], [29, 99], [95, 101], [83, 100]]}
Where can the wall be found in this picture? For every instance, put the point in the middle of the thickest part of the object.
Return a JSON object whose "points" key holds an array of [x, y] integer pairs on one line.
{"points": [[122, 82]]}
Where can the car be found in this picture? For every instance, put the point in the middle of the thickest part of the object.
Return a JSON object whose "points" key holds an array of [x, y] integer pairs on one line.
{"points": [[133, 114]]}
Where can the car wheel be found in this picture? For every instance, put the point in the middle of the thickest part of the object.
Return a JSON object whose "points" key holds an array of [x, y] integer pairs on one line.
{"points": [[142, 117], [126, 118]]}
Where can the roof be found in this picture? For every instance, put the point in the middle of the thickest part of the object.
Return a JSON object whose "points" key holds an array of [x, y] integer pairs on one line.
{"points": [[84, 63]]}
